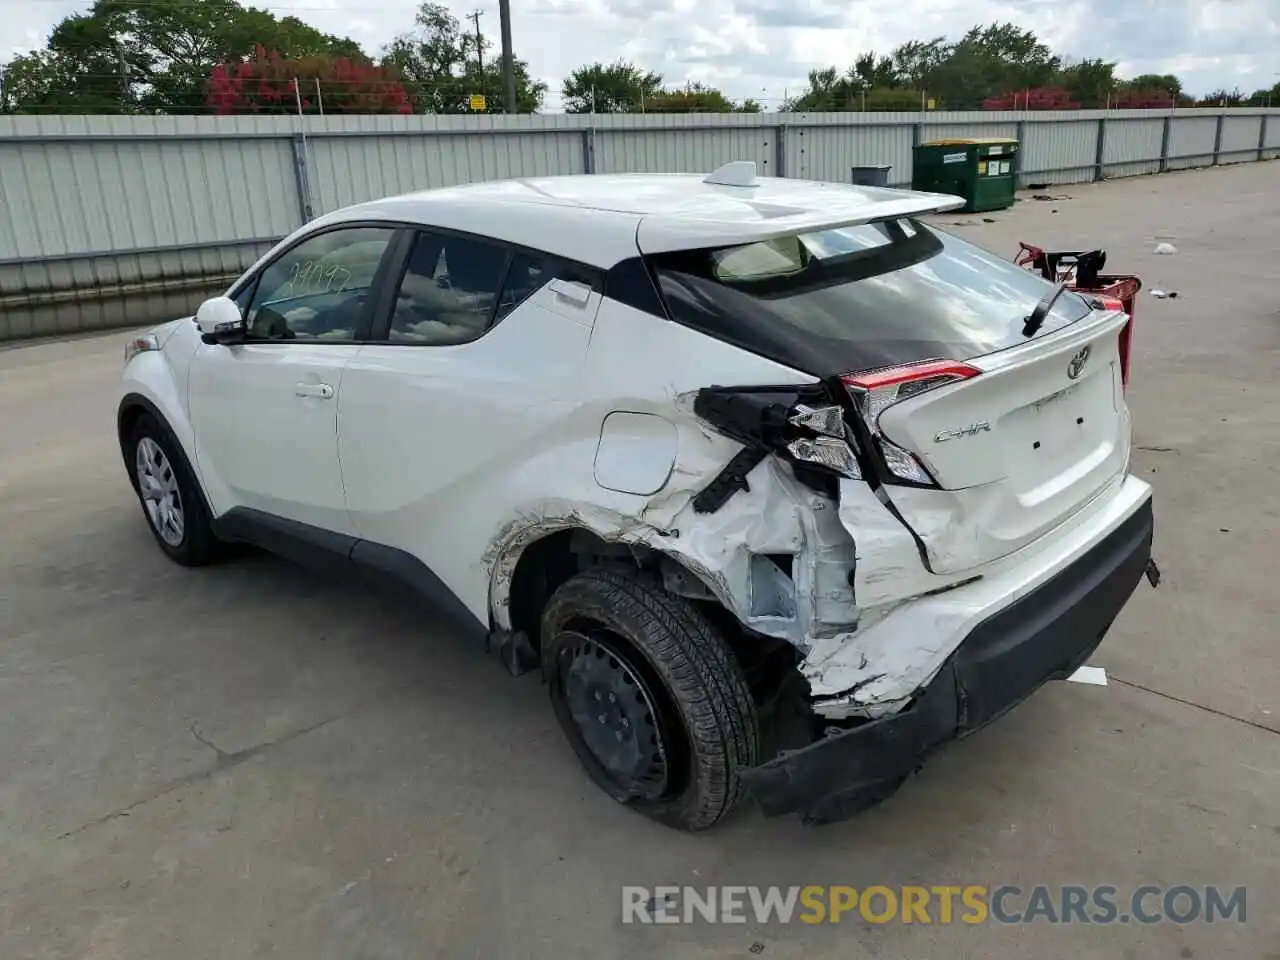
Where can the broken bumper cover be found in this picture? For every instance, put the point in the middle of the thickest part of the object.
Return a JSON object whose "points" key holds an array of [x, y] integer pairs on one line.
{"points": [[1044, 635]]}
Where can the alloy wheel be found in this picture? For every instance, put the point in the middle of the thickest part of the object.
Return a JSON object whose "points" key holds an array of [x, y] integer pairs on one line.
{"points": [[158, 486]]}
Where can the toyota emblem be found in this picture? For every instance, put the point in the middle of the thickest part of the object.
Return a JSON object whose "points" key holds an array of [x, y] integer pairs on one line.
{"points": [[1077, 363]]}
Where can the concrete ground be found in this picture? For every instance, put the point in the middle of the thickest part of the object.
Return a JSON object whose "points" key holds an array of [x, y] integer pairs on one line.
{"points": [[248, 762]]}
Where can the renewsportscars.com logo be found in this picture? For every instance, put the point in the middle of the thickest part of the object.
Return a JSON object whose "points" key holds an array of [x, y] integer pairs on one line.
{"points": [[971, 904]]}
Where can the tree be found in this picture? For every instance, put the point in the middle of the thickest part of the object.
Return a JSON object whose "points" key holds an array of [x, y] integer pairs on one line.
{"points": [[873, 72], [44, 82], [268, 83], [829, 90], [1264, 98], [900, 99], [128, 55], [916, 62], [694, 98], [1037, 98], [1142, 98], [1091, 82], [990, 60], [1157, 81], [443, 66], [826, 91], [1222, 98], [619, 87]]}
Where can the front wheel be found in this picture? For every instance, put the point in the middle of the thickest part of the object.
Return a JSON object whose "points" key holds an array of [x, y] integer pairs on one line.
{"points": [[650, 697], [169, 494]]}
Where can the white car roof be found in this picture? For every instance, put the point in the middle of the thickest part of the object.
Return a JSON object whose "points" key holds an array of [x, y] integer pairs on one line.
{"points": [[602, 219]]}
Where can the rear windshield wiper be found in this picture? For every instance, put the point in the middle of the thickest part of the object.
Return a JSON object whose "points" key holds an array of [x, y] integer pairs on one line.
{"points": [[1036, 320]]}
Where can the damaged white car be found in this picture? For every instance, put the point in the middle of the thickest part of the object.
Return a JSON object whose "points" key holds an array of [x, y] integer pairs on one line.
{"points": [[779, 487]]}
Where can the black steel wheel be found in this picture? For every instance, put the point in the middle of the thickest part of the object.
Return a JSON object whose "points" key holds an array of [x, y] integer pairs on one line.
{"points": [[649, 697], [619, 730]]}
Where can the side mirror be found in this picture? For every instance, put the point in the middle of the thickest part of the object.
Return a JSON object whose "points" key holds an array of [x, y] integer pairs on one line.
{"points": [[219, 320]]}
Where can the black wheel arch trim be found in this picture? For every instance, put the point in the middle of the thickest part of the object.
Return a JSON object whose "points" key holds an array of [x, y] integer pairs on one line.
{"points": [[136, 401]]}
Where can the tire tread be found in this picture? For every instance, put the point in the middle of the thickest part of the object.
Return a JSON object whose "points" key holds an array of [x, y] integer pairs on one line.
{"points": [[699, 671]]}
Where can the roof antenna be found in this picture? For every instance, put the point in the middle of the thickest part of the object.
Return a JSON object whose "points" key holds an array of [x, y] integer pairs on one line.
{"points": [[735, 173]]}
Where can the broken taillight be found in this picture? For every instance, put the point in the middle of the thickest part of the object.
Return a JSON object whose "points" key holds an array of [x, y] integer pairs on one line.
{"points": [[875, 391], [834, 446]]}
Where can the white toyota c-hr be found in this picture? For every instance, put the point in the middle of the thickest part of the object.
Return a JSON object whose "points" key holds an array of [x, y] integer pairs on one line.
{"points": [[779, 487]]}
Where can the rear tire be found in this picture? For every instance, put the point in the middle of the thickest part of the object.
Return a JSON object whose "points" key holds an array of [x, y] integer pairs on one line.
{"points": [[171, 498], [649, 696]]}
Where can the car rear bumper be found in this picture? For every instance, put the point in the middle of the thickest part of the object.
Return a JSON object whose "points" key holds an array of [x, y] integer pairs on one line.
{"points": [[1044, 635]]}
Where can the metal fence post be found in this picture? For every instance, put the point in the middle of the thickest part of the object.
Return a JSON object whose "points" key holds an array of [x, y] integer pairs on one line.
{"points": [[301, 176], [1262, 137], [1100, 152], [917, 138], [589, 150], [1020, 131], [1164, 143], [780, 150], [1217, 138]]}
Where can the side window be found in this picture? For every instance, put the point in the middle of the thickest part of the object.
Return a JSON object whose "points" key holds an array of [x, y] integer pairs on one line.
{"points": [[449, 292], [527, 275], [319, 289]]}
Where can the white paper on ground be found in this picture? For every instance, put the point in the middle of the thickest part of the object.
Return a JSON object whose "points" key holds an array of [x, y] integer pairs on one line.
{"points": [[1094, 675]]}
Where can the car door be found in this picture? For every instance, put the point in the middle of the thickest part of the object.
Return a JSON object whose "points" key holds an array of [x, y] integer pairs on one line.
{"points": [[483, 352], [264, 409]]}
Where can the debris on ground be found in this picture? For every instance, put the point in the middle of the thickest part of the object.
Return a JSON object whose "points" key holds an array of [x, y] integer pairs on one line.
{"points": [[988, 219], [1094, 675], [1166, 248], [1165, 294], [1050, 197]]}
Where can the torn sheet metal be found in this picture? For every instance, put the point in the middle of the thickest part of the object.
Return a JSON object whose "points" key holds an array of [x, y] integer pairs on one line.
{"points": [[777, 515], [884, 665]]}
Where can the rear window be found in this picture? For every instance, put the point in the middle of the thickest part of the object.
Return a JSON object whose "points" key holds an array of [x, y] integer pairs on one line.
{"points": [[855, 298]]}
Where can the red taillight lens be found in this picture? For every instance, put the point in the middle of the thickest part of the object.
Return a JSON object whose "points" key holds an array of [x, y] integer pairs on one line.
{"points": [[875, 391], [910, 373]]}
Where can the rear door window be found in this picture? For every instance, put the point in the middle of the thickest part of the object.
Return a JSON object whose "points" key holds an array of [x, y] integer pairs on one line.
{"points": [[449, 292], [855, 298]]}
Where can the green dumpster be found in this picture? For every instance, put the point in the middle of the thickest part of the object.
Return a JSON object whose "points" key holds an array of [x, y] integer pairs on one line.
{"points": [[983, 171]]}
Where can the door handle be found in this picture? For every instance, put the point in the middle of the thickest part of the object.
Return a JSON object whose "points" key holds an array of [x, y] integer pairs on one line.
{"points": [[321, 390]]}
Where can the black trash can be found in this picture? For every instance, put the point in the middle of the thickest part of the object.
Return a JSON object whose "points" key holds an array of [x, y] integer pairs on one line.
{"points": [[870, 176]]}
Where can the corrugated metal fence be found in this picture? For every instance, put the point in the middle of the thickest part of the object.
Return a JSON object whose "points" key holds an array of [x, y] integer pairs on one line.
{"points": [[110, 221]]}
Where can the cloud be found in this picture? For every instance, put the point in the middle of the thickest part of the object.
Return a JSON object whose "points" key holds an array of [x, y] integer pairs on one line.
{"points": [[765, 48]]}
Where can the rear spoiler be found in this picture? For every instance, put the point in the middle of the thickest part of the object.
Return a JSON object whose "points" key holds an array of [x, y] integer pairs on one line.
{"points": [[845, 207]]}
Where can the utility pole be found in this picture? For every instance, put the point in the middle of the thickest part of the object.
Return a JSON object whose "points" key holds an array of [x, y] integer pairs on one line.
{"points": [[475, 18], [508, 67], [124, 69]]}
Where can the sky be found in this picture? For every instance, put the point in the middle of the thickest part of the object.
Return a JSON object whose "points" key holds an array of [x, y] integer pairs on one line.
{"points": [[764, 49]]}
